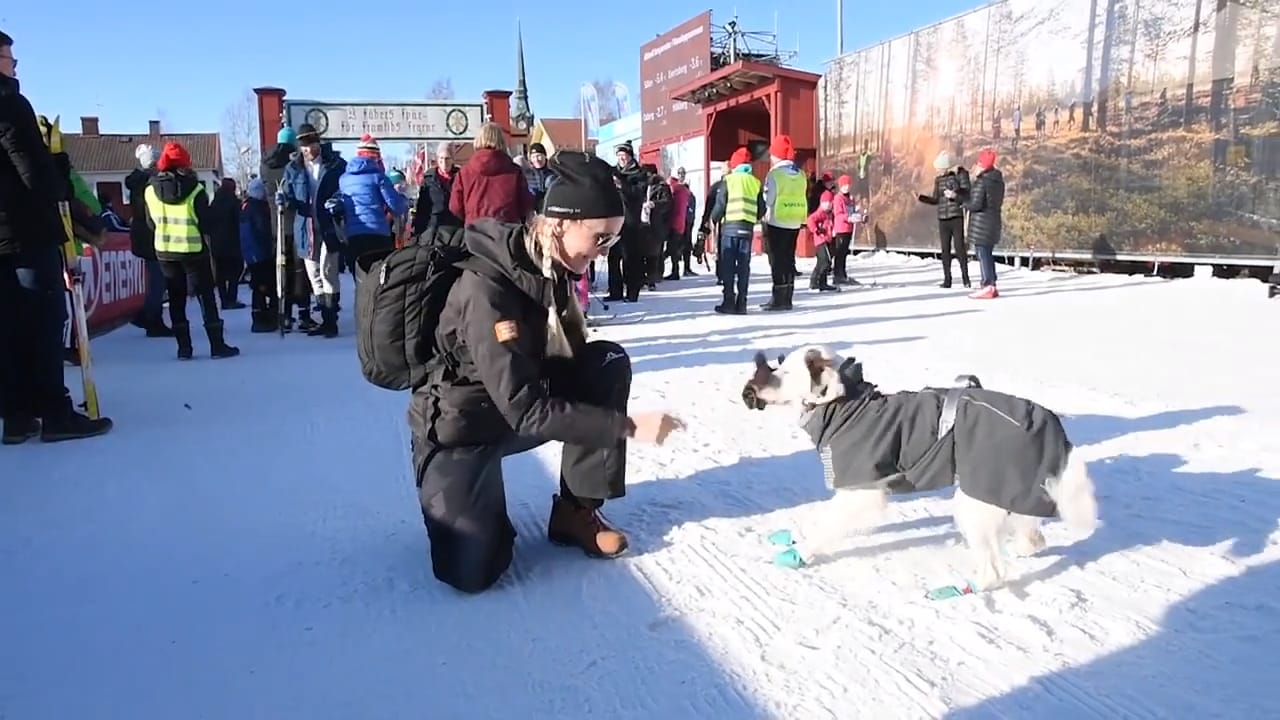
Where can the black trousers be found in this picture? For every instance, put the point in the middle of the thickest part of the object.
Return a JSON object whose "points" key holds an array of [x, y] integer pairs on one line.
{"points": [[461, 489], [822, 268], [227, 272], [32, 314], [951, 237], [190, 277], [262, 283], [780, 246], [627, 265], [842, 246]]}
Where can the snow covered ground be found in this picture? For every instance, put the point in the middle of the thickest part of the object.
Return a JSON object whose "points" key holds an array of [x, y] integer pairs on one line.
{"points": [[247, 543]]}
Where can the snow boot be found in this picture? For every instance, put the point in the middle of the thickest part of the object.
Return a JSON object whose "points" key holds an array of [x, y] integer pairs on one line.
{"points": [[573, 524], [264, 321], [182, 331], [729, 305], [305, 323], [73, 426], [19, 429], [775, 300], [740, 306], [218, 347], [328, 327]]}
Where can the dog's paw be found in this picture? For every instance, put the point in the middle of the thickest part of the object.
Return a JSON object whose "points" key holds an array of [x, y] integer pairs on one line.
{"points": [[1026, 545], [789, 558], [781, 537]]}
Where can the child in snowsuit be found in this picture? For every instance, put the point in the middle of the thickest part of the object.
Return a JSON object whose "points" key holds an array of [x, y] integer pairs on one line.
{"points": [[820, 225], [257, 246]]}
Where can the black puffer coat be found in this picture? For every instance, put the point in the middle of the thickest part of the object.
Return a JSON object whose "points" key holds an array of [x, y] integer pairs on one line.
{"points": [[955, 180], [986, 208], [1000, 449], [432, 208], [493, 338], [142, 239]]}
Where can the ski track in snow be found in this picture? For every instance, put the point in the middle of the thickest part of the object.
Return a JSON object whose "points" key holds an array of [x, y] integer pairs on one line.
{"points": [[247, 543]]}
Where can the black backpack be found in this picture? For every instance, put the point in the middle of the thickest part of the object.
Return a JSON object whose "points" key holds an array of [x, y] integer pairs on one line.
{"points": [[399, 297]]}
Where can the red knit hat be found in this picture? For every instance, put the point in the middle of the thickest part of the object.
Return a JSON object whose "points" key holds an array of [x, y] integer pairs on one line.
{"points": [[782, 148], [741, 156], [844, 180], [173, 157], [987, 158], [368, 147], [827, 197]]}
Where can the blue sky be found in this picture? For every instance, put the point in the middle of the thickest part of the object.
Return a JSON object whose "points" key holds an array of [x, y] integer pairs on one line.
{"points": [[190, 61]]}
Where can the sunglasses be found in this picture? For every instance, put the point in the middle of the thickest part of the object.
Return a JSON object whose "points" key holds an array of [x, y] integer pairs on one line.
{"points": [[604, 241]]}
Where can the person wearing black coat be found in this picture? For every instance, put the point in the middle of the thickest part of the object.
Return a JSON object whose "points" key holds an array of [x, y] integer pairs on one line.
{"points": [[986, 219], [34, 401], [705, 229], [951, 188], [627, 269], [432, 209], [224, 236], [515, 371]]}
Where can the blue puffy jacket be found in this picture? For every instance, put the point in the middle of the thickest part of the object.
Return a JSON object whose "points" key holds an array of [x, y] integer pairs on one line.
{"points": [[367, 194]]}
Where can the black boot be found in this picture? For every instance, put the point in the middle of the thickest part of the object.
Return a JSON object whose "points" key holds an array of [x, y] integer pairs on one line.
{"points": [[182, 331], [264, 321], [775, 299], [740, 307], [728, 305], [785, 294], [328, 326], [19, 429], [73, 426], [305, 322], [218, 347]]}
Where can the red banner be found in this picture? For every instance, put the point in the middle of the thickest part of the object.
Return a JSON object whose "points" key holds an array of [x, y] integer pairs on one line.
{"points": [[115, 284]]}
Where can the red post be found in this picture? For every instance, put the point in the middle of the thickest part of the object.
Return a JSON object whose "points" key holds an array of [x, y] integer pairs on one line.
{"points": [[270, 116]]}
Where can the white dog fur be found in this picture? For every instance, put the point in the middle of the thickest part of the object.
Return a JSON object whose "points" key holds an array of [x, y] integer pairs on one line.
{"points": [[809, 377]]}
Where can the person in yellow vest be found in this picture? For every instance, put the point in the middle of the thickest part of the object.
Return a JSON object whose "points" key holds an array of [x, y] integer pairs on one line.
{"points": [[176, 208], [786, 197], [738, 206]]}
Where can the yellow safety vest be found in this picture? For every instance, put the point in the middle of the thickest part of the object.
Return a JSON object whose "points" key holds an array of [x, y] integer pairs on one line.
{"points": [[177, 231], [791, 206], [742, 191]]}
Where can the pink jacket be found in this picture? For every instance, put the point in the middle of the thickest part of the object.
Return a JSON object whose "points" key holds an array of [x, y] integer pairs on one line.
{"points": [[840, 208], [820, 227], [680, 199]]}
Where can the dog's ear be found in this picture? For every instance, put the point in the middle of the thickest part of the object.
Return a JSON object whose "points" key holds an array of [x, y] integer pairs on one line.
{"points": [[761, 376], [816, 362]]}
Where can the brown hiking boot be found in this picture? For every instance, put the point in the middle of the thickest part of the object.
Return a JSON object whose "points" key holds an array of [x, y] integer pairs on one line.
{"points": [[573, 525]]}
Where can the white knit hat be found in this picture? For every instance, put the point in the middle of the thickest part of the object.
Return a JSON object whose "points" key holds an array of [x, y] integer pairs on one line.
{"points": [[147, 155], [943, 161]]}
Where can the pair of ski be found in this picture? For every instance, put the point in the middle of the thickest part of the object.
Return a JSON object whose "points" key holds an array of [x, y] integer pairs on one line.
{"points": [[79, 330], [790, 558]]}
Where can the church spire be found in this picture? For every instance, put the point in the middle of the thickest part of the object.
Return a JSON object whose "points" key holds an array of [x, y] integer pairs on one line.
{"points": [[521, 114]]}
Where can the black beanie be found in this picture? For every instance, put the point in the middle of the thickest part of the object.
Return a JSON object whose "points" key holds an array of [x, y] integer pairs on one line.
{"points": [[537, 148], [584, 188]]}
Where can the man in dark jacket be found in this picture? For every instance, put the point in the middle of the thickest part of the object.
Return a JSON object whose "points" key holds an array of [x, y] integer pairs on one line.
{"points": [[310, 180], [705, 230], [538, 174], [224, 244], [951, 188], [143, 243], [33, 399], [297, 282], [627, 259], [432, 208], [986, 220]]}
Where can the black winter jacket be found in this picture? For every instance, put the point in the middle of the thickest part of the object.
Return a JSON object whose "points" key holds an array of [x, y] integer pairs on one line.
{"points": [[224, 224], [142, 239], [30, 186], [492, 335], [539, 180], [955, 180], [1000, 449], [633, 181], [986, 207], [432, 208]]}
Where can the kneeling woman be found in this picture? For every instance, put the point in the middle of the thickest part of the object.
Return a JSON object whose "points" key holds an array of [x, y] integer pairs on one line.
{"points": [[517, 372]]}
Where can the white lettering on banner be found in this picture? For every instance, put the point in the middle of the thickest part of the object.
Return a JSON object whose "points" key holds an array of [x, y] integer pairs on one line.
{"points": [[411, 121], [680, 39], [111, 276]]}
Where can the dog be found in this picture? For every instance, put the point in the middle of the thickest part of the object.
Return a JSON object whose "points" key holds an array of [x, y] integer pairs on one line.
{"points": [[1009, 458]]}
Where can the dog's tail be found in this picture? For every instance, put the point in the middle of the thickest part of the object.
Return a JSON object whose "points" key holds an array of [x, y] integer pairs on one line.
{"points": [[1072, 491]]}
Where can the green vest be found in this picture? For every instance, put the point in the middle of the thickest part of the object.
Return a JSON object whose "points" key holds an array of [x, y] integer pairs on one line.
{"points": [[791, 207], [742, 193], [177, 232]]}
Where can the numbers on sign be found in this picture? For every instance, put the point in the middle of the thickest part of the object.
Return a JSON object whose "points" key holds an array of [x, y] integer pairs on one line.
{"points": [[659, 76], [695, 62]]}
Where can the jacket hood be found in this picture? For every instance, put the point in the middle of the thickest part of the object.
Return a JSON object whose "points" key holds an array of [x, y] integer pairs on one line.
{"points": [[173, 187], [992, 175], [137, 180], [490, 162], [499, 250], [363, 166]]}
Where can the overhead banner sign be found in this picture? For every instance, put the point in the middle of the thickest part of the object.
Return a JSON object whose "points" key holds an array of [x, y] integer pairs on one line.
{"points": [[418, 121], [675, 58]]}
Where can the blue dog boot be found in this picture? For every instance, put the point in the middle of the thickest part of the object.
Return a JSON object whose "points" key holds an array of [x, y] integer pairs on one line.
{"points": [[781, 537], [789, 558]]}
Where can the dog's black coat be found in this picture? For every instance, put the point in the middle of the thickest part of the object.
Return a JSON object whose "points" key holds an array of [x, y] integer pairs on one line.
{"points": [[1000, 449]]}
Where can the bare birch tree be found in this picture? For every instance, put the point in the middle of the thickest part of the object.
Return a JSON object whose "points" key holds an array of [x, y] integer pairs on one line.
{"points": [[241, 146]]}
